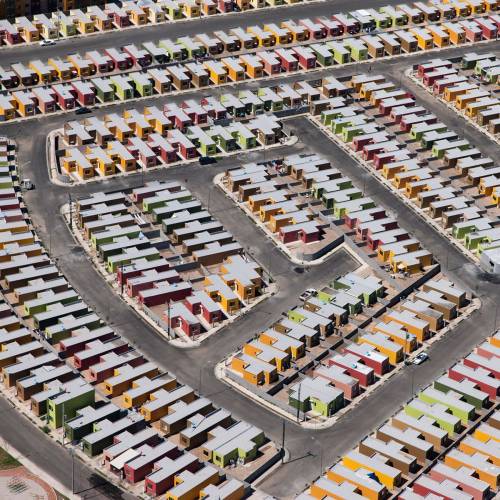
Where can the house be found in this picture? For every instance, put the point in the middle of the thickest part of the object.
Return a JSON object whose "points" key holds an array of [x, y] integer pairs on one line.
{"points": [[137, 468], [187, 484], [7, 108], [64, 405], [104, 90], [345, 481], [101, 61], [104, 432], [295, 348], [179, 316], [124, 376], [123, 448], [337, 377], [52, 389], [142, 84], [160, 401], [107, 363], [79, 338], [410, 438], [162, 476], [23, 102], [243, 276], [102, 21], [139, 57], [372, 358], [13, 350], [94, 349], [353, 366], [440, 413], [64, 95], [179, 413], [229, 489], [199, 426], [85, 93], [391, 450], [64, 69], [120, 60], [83, 422], [122, 87], [323, 487], [448, 290], [240, 441], [386, 475], [44, 99], [254, 370], [24, 365], [316, 395]]}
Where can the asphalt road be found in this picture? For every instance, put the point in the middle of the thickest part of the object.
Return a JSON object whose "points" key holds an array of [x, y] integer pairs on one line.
{"points": [[307, 449], [55, 460], [173, 31]]}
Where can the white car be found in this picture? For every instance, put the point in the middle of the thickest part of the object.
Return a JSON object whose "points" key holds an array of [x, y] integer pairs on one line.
{"points": [[423, 356], [46, 43], [310, 292]]}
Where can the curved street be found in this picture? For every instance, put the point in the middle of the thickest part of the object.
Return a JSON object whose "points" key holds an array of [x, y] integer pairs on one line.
{"points": [[195, 366]]}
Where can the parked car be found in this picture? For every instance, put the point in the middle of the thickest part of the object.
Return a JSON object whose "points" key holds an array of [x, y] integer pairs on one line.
{"points": [[423, 356], [27, 185], [310, 292], [83, 111], [47, 43], [207, 160]]}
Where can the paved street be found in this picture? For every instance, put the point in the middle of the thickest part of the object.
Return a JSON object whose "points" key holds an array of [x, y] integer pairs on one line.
{"points": [[21, 434], [195, 366], [173, 31]]}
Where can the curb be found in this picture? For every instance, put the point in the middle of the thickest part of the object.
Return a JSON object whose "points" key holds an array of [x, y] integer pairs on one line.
{"points": [[411, 75], [253, 80], [166, 22], [220, 369], [33, 468], [408, 202], [272, 289], [53, 169], [271, 236]]}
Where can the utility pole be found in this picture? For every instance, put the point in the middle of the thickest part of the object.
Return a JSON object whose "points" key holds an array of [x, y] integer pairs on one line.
{"points": [[72, 452], [63, 417], [496, 317], [121, 277], [168, 318], [320, 459], [298, 403], [270, 254], [404, 350], [70, 212], [283, 441]]}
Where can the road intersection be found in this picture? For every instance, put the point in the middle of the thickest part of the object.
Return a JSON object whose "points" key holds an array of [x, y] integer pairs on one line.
{"points": [[195, 366]]}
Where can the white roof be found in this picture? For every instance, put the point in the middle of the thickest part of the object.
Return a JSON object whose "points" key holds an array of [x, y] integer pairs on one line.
{"points": [[119, 462]]}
